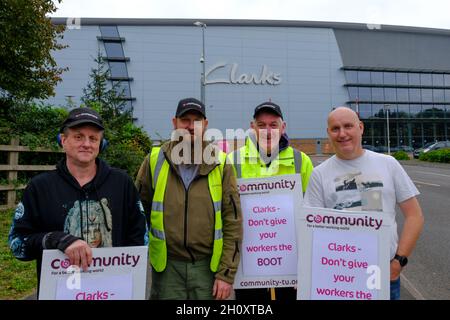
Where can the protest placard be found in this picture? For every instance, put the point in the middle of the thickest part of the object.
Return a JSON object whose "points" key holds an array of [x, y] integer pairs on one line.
{"points": [[343, 255], [269, 250], [115, 274]]}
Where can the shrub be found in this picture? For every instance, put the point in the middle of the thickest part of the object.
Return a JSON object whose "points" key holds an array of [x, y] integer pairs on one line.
{"points": [[401, 155], [128, 146], [442, 155]]}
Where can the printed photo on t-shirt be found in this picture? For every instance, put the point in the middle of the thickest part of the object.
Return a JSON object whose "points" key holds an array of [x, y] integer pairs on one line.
{"points": [[358, 192]]}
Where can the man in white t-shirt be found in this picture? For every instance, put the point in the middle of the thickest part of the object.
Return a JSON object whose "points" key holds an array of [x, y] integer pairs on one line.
{"points": [[358, 179]]}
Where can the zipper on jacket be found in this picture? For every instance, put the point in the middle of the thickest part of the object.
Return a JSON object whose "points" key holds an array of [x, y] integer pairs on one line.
{"points": [[186, 202], [234, 206], [87, 217], [236, 250]]}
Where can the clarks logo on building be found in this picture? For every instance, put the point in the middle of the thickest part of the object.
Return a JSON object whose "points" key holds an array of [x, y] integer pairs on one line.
{"points": [[235, 77]]}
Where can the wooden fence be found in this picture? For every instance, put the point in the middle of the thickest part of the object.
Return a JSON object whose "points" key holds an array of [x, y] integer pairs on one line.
{"points": [[12, 168]]}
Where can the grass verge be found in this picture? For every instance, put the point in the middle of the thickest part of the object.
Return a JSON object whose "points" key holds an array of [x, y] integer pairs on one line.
{"points": [[17, 278]]}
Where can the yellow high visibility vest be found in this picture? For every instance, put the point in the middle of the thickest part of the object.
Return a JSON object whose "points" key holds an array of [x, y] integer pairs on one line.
{"points": [[160, 172], [247, 162]]}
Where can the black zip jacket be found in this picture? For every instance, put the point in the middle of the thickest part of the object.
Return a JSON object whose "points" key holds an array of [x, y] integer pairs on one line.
{"points": [[55, 212]]}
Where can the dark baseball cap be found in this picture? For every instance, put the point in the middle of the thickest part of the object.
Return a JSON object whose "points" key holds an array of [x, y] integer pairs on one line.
{"points": [[81, 116], [190, 104], [268, 106]]}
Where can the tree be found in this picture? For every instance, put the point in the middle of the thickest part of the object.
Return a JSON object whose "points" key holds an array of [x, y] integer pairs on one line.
{"points": [[128, 144], [27, 38], [100, 95]]}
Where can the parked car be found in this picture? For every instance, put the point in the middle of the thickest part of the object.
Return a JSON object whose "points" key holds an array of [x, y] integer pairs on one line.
{"points": [[431, 147]]}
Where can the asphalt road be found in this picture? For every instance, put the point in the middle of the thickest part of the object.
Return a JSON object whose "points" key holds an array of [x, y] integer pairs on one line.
{"points": [[428, 273]]}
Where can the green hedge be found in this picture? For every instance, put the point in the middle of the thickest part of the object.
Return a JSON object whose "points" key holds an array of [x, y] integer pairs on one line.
{"points": [[442, 155], [401, 155]]}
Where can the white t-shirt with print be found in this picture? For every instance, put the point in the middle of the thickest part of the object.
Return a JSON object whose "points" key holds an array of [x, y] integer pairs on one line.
{"points": [[372, 182]]}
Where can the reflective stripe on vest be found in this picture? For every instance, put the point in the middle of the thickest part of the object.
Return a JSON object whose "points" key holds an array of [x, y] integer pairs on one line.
{"points": [[248, 169], [160, 172]]}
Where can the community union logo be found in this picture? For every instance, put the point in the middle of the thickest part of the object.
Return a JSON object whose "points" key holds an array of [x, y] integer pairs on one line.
{"points": [[58, 263], [317, 219], [65, 263]]}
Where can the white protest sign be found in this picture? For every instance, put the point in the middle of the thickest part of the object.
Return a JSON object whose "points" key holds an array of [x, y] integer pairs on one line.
{"points": [[343, 255], [269, 250], [115, 273]]}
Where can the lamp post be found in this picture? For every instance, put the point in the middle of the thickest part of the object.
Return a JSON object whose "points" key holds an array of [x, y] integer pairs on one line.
{"points": [[386, 109], [202, 61]]}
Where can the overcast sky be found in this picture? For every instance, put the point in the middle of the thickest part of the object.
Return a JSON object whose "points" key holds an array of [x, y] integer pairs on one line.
{"points": [[420, 13]]}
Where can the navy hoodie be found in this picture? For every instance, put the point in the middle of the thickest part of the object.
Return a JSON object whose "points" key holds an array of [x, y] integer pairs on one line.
{"points": [[55, 212]]}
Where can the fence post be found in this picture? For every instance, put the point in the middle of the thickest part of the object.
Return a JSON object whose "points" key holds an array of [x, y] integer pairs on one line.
{"points": [[13, 159]]}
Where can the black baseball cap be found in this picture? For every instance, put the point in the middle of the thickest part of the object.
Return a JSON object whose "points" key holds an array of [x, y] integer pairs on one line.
{"points": [[190, 104], [268, 106], [81, 116]]}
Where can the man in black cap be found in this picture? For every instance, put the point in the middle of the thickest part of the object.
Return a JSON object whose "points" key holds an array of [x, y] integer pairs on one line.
{"points": [[80, 205], [194, 211], [267, 153]]}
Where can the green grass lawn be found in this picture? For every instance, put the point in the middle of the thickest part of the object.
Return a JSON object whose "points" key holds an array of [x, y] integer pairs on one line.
{"points": [[17, 278]]}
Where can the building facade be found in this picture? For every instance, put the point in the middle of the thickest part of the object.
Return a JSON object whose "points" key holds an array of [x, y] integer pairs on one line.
{"points": [[395, 77]]}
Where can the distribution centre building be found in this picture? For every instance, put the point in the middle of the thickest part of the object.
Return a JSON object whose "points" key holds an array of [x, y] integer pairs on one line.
{"points": [[390, 74]]}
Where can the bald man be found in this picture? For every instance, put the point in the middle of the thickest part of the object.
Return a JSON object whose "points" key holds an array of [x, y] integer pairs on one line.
{"points": [[362, 180]]}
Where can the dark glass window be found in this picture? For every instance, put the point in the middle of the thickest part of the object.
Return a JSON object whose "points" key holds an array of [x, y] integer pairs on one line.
{"points": [[447, 112], [416, 130], [368, 131], [376, 77], [403, 111], [353, 93], [439, 111], [378, 110], [428, 132], [118, 69], [414, 79], [363, 77], [438, 79], [403, 133], [415, 110], [440, 131], [390, 94], [447, 124], [377, 94], [352, 76], [379, 133], [128, 105], [364, 94], [414, 95], [123, 88], [427, 95], [401, 78], [389, 77], [447, 95], [438, 95], [427, 111], [113, 49], [391, 108], [109, 31], [365, 110], [425, 79], [447, 80], [402, 94]]}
